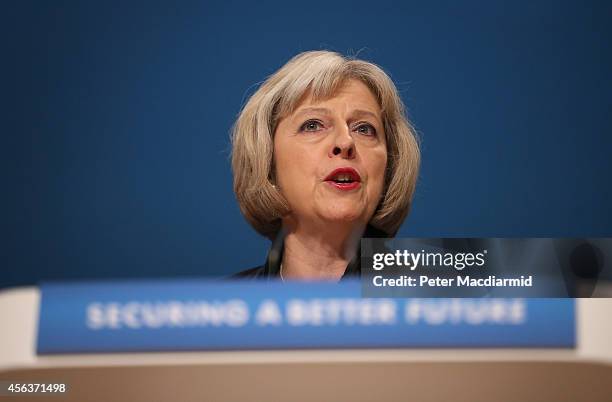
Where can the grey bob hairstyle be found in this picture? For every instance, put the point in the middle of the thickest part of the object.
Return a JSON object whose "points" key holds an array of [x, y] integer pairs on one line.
{"points": [[320, 73]]}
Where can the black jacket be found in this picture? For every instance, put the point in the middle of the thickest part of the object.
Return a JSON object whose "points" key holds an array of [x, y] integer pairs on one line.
{"points": [[271, 268]]}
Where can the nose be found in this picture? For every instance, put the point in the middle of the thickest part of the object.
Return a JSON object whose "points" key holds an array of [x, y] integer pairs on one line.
{"points": [[343, 145]]}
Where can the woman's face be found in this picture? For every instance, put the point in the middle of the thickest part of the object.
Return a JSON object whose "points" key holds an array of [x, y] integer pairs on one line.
{"points": [[330, 157]]}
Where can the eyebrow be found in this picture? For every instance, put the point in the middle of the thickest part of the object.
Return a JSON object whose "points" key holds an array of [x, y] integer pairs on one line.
{"points": [[322, 110], [360, 112]]}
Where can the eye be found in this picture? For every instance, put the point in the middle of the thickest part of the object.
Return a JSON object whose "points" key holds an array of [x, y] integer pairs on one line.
{"points": [[366, 129], [311, 125]]}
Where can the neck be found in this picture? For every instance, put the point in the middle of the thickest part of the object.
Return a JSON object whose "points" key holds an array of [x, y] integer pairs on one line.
{"points": [[319, 253]]}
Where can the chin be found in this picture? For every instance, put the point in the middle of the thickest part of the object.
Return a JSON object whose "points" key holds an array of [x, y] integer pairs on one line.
{"points": [[339, 214]]}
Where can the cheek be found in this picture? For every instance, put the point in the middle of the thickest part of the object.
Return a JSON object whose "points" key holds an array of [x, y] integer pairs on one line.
{"points": [[282, 157], [293, 168], [377, 167]]}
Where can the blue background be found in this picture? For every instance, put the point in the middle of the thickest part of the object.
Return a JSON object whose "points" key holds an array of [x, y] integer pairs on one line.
{"points": [[114, 152]]}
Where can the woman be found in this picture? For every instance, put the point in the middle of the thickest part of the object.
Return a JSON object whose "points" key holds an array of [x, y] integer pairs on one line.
{"points": [[322, 155]]}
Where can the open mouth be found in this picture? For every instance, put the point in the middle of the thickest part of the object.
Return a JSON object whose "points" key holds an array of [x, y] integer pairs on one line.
{"points": [[344, 179]]}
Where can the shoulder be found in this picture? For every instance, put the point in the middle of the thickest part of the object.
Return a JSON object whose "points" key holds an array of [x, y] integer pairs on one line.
{"points": [[252, 273]]}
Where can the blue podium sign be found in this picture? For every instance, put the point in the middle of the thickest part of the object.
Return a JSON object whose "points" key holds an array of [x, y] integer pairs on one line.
{"points": [[129, 316]]}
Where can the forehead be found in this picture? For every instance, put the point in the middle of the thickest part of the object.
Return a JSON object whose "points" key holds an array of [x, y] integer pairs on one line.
{"points": [[351, 93]]}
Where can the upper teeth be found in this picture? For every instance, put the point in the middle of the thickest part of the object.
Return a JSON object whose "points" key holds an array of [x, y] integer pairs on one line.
{"points": [[343, 177]]}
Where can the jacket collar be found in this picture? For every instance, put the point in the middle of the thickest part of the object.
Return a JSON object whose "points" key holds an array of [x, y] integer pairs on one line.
{"points": [[271, 268]]}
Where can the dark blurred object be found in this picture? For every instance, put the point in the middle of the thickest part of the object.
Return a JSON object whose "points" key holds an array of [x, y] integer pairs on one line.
{"points": [[582, 262]]}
